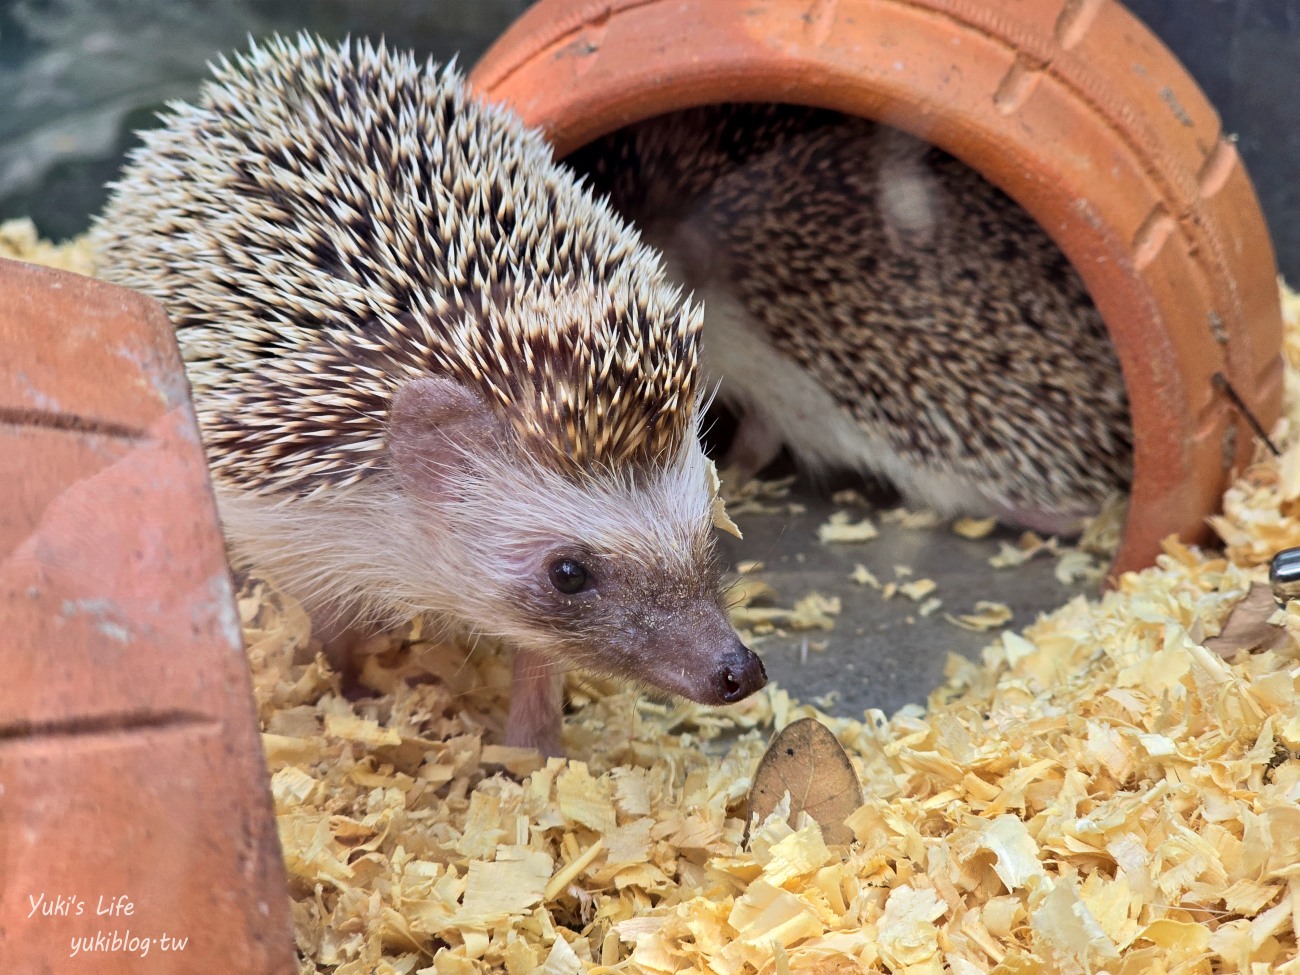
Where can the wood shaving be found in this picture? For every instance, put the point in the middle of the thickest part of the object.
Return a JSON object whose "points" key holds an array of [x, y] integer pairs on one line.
{"points": [[842, 529], [813, 612], [918, 589], [904, 518], [850, 497], [1029, 545], [974, 528], [1084, 561], [1102, 534], [1076, 565], [1098, 792], [718, 504], [988, 615], [750, 620], [748, 590], [864, 577]]}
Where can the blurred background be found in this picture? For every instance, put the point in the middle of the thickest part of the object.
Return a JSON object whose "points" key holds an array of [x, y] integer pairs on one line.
{"points": [[77, 77]]}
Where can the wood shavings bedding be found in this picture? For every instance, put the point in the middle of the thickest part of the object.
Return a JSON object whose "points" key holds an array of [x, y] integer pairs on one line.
{"points": [[19, 240], [1085, 560], [1098, 793]]}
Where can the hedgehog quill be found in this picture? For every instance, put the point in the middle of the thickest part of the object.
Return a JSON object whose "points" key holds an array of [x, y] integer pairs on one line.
{"points": [[433, 374]]}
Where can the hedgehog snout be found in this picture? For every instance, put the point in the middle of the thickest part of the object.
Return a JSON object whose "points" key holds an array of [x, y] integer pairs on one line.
{"points": [[740, 675], [682, 645], [709, 664]]}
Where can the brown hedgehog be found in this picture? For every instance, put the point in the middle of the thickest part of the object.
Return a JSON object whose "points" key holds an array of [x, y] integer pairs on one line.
{"points": [[873, 303], [433, 374]]}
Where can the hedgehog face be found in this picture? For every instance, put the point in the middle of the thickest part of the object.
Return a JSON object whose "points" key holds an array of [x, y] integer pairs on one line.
{"points": [[620, 576], [613, 572], [630, 608]]}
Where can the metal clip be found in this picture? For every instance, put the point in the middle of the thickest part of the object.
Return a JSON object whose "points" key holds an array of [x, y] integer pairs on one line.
{"points": [[1284, 575]]}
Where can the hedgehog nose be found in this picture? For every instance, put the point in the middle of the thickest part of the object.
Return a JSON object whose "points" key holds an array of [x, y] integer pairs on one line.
{"points": [[741, 674]]}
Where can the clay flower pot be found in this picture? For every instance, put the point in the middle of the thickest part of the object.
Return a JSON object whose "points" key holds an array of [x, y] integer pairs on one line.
{"points": [[1070, 106], [133, 793]]}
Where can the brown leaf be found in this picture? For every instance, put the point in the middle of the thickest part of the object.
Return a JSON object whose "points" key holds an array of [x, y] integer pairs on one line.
{"points": [[1248, 626], [807, 761]]}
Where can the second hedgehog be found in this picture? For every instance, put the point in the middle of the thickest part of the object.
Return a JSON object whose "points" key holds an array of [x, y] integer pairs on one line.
{"points": [[923, 327], [432, 373]]}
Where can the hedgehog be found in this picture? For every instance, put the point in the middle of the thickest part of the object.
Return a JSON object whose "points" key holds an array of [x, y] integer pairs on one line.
{"points": [[871, 303], [434, 375]]}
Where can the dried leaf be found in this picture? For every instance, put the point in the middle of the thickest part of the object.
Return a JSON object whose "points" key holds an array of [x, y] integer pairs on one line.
{"points": [[807, 761], [1248, 626]]}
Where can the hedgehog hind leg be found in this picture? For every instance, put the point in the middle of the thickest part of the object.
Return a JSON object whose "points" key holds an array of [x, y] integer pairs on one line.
{"points": [[346, 643]]}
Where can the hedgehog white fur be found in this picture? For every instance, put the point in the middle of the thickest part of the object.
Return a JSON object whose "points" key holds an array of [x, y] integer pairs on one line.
{"points": [[432, 373]]}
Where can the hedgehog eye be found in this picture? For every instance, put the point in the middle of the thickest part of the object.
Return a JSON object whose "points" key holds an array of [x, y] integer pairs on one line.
{"points": [[569, 577]]}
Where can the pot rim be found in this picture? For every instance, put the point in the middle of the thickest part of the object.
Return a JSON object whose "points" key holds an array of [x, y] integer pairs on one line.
{"points": [[1075, 110]]}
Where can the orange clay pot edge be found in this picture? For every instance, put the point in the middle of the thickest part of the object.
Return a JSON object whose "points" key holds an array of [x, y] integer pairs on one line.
{"points": [[132, 762], [1150, 242]]}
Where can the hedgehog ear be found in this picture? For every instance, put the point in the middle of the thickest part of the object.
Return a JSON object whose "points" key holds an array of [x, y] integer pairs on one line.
{"points": [[434, 426]]}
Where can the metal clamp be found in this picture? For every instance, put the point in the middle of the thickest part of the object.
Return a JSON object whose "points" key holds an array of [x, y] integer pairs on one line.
{"points": [[1284, 575]]}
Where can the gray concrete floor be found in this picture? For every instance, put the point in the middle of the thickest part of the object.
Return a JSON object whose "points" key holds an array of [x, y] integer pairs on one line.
{"points": [[882, 653]]}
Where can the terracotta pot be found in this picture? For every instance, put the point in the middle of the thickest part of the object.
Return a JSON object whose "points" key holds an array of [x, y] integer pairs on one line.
{"points": [[1070, 106], [133, 795]]}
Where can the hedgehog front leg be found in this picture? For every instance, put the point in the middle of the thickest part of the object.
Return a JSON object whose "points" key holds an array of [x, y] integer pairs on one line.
{"points": [[756, 444], [536, 703]]}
